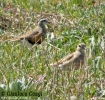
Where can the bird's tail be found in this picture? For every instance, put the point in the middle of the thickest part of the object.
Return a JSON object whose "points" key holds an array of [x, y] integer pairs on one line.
{"points": [[58, 66], [14, 39], [53, 64]]}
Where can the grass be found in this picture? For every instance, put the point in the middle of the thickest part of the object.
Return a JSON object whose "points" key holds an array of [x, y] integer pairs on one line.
{"points": [[24, 69]]}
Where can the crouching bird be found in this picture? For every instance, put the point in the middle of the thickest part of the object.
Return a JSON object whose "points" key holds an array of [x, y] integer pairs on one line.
{"points": [[72, 61], [35, 36]]}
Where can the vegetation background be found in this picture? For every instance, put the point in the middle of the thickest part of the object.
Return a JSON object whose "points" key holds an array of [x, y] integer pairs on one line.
{"points": [[73, 21]]}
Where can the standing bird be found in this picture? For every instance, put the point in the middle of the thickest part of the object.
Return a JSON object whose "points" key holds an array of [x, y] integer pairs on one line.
{"points": [[35, 36], [73, 61]]}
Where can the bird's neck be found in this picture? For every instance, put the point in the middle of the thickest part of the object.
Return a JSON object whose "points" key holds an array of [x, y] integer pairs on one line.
{"points": [[43, 28]]}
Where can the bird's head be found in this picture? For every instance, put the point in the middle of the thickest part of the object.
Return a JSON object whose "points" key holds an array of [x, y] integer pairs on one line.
{"points": [[43, 21], [81, 47]]}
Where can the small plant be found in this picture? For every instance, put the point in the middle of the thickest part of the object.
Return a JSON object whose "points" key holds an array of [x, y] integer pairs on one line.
{"points": [[17, 85]]}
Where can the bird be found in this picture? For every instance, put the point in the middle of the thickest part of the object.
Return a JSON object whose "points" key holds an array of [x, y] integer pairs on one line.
{"points": [[72, 61], [35, 36]]}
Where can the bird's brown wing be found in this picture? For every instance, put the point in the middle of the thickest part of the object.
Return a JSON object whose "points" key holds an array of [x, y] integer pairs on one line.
{"points": [[74, 63], [35, 38], [32, 36], [68, 57], [30, 33]]}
